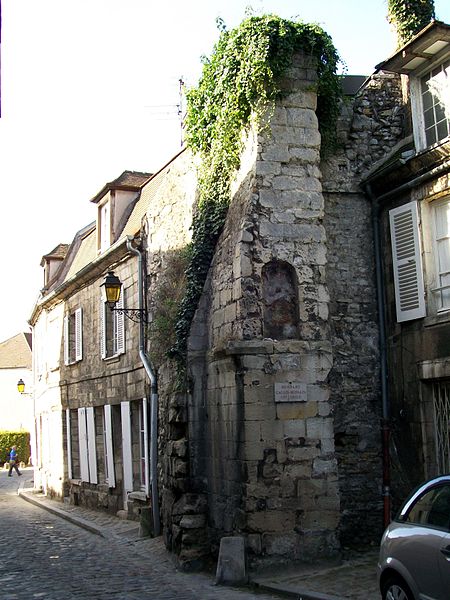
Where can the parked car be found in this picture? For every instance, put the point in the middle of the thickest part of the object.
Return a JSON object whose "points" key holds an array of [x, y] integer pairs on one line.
{"points": [[414, 562]]}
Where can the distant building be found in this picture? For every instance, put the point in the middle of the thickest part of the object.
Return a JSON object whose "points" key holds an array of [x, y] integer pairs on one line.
{"points": [[16, 410]]}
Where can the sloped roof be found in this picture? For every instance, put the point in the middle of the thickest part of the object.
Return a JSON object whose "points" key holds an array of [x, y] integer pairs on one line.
{"points": [[129, 180], [425, 47], [15, 352], [59, 252]]}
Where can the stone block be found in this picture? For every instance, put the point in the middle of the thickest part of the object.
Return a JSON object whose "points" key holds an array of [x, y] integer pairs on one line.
{"points": [[193, 521], [231, 562], [296, 411]]}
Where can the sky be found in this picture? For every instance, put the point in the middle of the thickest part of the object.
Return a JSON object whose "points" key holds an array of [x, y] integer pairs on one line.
{"points": [[90, 88]]}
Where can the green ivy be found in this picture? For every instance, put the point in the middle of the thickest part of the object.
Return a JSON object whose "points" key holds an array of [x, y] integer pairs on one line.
{"points": [[409, 16], [238, 83]]}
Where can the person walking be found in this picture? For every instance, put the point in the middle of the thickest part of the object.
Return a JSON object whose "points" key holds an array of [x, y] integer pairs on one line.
{"points": [[13, 462]]}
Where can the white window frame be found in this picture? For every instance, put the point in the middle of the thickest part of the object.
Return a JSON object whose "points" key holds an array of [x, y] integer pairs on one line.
{"points": [[407, 262], [104, 226], [118, 326], [73, 336], [417, 106], [437, 241], [109, 447], [144, 459], [127, 454], [87, 444], [69, 445]]}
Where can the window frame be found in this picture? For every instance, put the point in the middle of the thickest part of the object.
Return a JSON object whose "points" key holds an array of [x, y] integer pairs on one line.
{"points": [[417, 104], [73, 336]]}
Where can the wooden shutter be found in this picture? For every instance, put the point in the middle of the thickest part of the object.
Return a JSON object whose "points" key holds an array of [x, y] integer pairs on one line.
{"points": [[83, 445], [120, 325], [66, 339], [126, 447], [78, 334], [407, 262], [91, 444], [109, 446], [69, 444], [103, 308]]}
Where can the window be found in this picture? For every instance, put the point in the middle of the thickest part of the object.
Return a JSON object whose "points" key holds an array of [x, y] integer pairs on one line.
{"points": [[279, 284], [432, 509], [108, 446], [112, 336], [407, 262], [441, 405], [441, 243], [73, 342], [143, 445], [435, 92], [104, 226], [87, 444]]}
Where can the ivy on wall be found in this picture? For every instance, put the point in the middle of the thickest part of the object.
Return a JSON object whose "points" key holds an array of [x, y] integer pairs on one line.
{"points": [[239, 81], [408, 17]]}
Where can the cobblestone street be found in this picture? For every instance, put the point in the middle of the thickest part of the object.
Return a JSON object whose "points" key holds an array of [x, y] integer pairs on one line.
{"points": [[46, 557]]}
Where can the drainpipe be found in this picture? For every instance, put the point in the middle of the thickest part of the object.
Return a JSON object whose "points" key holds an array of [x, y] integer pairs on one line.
{"points": [[385, 421], [153, 395]]}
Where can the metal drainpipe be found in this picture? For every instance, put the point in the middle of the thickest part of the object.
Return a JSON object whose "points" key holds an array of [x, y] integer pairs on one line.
{"points": [[153, 395], [386, 409]]}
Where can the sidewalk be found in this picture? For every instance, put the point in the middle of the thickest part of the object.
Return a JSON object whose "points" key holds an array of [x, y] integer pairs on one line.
{"points": [[351, 579]]}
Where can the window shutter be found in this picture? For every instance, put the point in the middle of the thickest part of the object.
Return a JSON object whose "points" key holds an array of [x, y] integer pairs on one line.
{"points": [[109, 446], [82, 442], [66, 339], [69, 444], [126, 447], [103, 308], [407, 262], [78, 334], [92, 451], [120, 325]]}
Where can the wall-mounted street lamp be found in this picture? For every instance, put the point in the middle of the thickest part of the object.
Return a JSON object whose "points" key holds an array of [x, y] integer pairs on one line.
{"points": [[111, 288], [21, 388]]}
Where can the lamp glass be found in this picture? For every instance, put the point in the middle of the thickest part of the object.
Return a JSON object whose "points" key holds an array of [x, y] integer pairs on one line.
{"points": [[21, 386], [111, 288]]}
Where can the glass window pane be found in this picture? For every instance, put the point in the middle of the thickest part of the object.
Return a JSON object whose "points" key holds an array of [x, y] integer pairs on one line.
{"points": [[429, 118], [427, 100], [442, 129], [431, 136]]}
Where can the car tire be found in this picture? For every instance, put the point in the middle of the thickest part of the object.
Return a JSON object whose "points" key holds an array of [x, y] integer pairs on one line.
{"points": [[396, 589]]}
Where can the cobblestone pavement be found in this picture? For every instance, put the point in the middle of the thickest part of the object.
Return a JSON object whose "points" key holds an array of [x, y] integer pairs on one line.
{"points": [[54, 559], [44, 557]]}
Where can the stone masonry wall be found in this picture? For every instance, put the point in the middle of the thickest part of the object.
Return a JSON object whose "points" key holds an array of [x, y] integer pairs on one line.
{"points": [[370, 127], [272, 473]]}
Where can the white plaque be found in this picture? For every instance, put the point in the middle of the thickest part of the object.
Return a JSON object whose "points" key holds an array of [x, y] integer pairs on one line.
{"points": [[290, 392]]}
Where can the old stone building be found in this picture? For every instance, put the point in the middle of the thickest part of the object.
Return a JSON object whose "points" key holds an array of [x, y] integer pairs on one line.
{"points": [[274, 430]]}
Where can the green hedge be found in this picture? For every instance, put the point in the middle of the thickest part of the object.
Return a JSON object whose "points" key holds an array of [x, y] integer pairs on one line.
{"points": [[20, 439]]}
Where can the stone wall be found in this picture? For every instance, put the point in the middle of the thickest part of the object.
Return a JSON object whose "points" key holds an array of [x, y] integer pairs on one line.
{"points": [[370, 128]]}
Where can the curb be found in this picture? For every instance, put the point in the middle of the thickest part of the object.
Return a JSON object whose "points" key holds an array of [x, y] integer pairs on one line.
{"points": [[28, 496], [290, 591]]}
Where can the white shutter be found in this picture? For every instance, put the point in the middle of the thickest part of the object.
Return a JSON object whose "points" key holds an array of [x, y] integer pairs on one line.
{"points": [[103, 308], [69, 444], [92, 450], [120, 325], [78, 334], [66, 339], [83, 445], [126, 447], [109, 446], [146, 445], [407, 262]]}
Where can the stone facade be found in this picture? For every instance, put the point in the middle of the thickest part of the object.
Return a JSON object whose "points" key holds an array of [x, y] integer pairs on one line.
{"points": [[278, 437]]}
